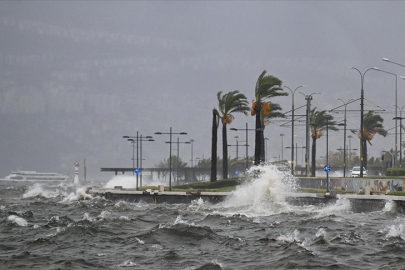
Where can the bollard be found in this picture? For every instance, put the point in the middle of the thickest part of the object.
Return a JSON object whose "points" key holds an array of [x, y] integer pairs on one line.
{"points": [[161, 188]]}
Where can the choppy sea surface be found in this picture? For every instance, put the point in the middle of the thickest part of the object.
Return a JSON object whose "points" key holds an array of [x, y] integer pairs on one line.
{"points": [[59, 226]]}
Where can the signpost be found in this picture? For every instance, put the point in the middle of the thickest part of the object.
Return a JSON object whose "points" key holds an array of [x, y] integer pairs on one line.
{"points": [[327, 169], [137, 170]]}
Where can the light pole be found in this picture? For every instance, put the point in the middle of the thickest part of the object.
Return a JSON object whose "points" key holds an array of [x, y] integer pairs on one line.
{"points": [[266, 139], [178, 158], [350, 147], [139, 140], [362, 115], [396, 114], [246, 129], [192, 141], [400, 135], [170, 153], [282, 146], [344, 136], [292, 128], [308, 98]]}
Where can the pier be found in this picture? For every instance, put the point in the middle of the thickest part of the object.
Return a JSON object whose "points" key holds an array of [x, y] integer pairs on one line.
{"points": [[359, 203]]}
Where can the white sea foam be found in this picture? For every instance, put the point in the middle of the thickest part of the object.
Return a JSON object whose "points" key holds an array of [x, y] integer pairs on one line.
{"points": [[292, 237], [397, 229], [139, 241], [18, 220], [320, 232], [41, 190], [179, 220], [79, 194], [390, 206], [127, 263]]}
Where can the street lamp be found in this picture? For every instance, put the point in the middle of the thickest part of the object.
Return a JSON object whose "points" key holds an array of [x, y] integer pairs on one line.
{"points": [[282, 146], [396, 115], [178, 157], [400, 135], [246, 129], [139, 140], [344, 136], [192, 141], [292, 128], [361, 115], [170, 153], [308, 98]]}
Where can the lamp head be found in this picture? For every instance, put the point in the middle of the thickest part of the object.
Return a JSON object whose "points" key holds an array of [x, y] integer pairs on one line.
{"points": [[386, 59], [183, 133], [125, 137], [158, 133], [234, 129], [376, 68], [148, 137]]}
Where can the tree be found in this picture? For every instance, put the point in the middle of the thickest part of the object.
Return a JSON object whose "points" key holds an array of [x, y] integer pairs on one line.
{"points": [[229, 103], [319, 121], [214, 142], [267, 87], [166, 163], [275, 112], [372, 124]]}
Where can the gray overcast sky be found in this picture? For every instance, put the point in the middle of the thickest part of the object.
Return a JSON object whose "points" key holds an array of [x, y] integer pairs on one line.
{"points": [[76, 76]]}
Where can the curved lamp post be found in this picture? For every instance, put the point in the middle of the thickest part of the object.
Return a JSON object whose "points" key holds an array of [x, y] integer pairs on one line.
{"points": [[362, 114], [292, 128]]}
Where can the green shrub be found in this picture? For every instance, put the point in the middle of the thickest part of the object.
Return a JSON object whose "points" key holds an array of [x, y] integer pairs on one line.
{"points": [[396, 172]]}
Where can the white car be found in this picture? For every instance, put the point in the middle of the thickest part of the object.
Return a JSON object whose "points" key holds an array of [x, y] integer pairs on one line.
{"points": [[355, 172]]}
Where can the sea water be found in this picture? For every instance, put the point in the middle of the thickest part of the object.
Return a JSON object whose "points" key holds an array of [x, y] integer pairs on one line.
{"points": [[59, 226]]}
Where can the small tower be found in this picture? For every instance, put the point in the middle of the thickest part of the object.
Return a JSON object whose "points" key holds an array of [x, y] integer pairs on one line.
{"points": [[76, 181]]}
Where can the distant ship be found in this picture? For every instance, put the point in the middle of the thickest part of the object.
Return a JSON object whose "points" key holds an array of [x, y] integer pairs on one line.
{"points": [[35, 176]]}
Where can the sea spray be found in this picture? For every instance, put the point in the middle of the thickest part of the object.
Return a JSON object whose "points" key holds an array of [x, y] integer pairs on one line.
{"points": [[124, 181], [264, 190]]}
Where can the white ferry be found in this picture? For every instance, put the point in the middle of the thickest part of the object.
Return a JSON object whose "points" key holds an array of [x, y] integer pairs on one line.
{"points": [[36, 176]]}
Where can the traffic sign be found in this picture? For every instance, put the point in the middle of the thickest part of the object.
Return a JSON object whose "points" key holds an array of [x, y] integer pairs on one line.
{"points": [[237, 173], [137, 170], [327, 168]]}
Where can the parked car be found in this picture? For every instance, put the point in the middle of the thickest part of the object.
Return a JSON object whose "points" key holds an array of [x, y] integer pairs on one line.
{"points": [[355, 172]]}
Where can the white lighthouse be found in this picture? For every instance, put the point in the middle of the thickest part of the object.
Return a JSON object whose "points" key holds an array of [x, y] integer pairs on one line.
{"points": [[76, 181]]}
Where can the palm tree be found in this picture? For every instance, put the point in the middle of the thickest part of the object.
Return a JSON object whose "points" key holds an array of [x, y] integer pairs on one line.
{"points": [[232, 102], [266, 87], [372, 124], [319, 121], [275, 112], [214, 142]]}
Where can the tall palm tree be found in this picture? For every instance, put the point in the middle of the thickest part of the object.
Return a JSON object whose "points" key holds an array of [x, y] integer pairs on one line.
{"points": [[372, 124], [267, 87], [214, 142], [319, 121], [275, 112], [229, 103]]}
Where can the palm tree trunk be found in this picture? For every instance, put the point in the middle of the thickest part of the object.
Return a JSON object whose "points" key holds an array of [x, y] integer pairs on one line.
{"points": [[313, 157], [214, 142], [224, 152], [258, 133], [262, 150]]}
